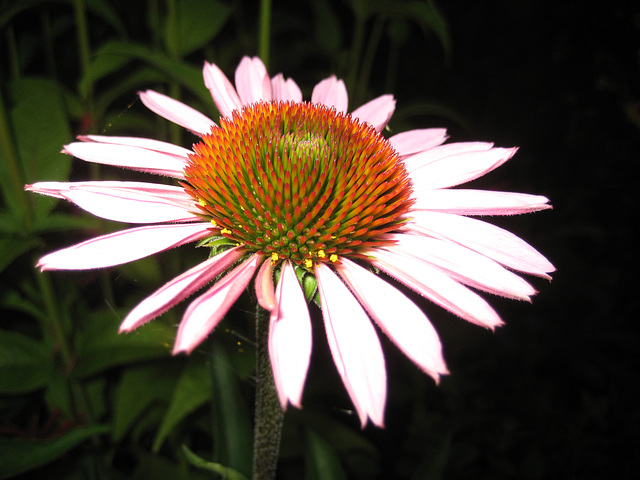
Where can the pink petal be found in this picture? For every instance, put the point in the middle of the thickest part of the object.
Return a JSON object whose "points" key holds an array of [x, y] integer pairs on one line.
{"points": [[377, 112], [355, 347], [438, 287], [206, 311], [180, 288], [146, 143], [478, 202], [290, 338], [426, 157], [461, 168], [223, 93], [496, 243], [127, 156], [177, 112], [464, 265], [252, 81], [123, 246], [416, 141], [332, 93], [265, 292], [285, 90], [397, 316], [131, 202]]}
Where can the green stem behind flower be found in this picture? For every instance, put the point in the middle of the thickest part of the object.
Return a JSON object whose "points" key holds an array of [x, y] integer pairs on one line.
{"points": [[268, 415], [264, 38]]}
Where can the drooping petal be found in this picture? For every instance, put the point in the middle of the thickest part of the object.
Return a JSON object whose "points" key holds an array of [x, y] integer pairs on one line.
{"points": [[397, 316], [146, 143], [265, 292], [252, 81], [285, 90], [126, 156], [460, 168], [377, 112], [463, 264], [416, 141], [179, 289], [496, 243], [208, 309], [478, 202], [222, 92], [438, 287], [426, 157], [123, 246], [289, 338], [331, 92], [131, 202], [355, 347], [177, 112]]}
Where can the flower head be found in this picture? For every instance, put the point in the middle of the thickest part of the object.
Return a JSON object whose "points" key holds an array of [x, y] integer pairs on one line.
{"points": [[305, 190]]}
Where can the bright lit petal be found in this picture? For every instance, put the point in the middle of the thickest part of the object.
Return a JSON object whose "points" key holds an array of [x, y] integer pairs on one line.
{"points": [[331, 92], [443, 151], [180, 288], [131, 202], [464, 265], [290, 338], [252, 81], [265, 292], [478, 202], [286, 90], [416, 141], [127, 156], [206, 311], [177, 112], [123, 246], [438, 287], [222, 92], [377, 112], [146, 143], [355, 347], [496, 243], [461, 168], [397, 316]]}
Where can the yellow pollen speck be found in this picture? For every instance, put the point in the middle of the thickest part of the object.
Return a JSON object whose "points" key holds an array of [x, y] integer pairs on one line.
{"points": [[225, 230], [213, 222], [333, 257], [308, 263], [321, 254], [274, 258], [202, 202]]}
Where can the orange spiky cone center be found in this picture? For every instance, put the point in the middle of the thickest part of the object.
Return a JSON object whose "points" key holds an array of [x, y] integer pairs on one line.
{"points": [[298, 181]]}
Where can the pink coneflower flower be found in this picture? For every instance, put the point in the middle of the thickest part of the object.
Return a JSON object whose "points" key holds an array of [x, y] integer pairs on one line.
{"points": [[304, 191]]}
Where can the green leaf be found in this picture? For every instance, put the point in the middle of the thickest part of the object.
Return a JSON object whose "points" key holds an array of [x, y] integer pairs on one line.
{"points": [[139, 388], [322, 462], [196, 23], [100, 346], [19, 455], [24, 363], [187, 75], [12, 248], [41, 128], [191, 392], [226, 472], [231, 422]]}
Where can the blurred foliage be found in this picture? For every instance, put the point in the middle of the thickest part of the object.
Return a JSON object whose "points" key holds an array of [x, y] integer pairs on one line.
{"points": [[77, 400]]}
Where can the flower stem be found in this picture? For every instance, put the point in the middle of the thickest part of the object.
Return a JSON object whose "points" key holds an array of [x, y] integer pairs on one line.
{"points": [[268, 413], [264, 39]]}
